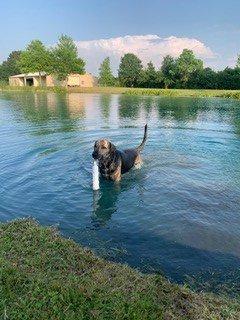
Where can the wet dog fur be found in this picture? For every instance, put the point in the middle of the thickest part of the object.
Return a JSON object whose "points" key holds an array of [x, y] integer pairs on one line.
{"points": [[113, 162]]}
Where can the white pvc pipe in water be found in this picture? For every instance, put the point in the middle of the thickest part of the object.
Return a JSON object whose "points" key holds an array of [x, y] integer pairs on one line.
{"points": [[95, 173]]}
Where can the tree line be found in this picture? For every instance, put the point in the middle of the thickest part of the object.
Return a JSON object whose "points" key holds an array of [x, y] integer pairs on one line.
{"points": [[60, 60], [185, 72]]}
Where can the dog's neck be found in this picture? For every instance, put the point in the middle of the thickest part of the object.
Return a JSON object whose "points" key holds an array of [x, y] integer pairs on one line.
{"points": [[110, 158]]}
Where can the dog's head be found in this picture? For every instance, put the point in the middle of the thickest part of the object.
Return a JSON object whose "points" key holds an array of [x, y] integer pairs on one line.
{"points": [[103, 149]]}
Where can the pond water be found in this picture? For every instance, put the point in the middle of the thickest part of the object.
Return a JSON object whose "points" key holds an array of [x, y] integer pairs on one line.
{"points": [[179, 214]]}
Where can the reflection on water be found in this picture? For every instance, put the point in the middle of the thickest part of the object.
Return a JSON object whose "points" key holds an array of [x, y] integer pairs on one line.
{"points": [[111, 109], [179, 213]]}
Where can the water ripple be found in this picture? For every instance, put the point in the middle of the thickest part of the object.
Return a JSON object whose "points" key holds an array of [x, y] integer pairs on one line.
{"points": [[179, 212]]}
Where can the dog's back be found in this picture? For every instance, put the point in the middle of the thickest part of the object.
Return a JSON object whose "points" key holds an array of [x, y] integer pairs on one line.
{"points": [[128, 158], [131, 157]]}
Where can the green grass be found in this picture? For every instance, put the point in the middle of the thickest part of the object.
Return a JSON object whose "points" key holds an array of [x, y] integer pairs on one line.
{"points": [[198, 93], [44, 276], [33, 89]]}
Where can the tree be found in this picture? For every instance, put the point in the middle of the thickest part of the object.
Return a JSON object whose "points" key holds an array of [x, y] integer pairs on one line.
{"points": [[229, 78], [238, 62], [106, 78], [66, 59], [130, 69], [36, 58], [10, 66], [168, 70], [187, 64], [203, 79], [151, 76]]}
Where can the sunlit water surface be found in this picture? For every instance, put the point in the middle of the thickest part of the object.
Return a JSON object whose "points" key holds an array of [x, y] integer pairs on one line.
{"points": [[179, 214]]}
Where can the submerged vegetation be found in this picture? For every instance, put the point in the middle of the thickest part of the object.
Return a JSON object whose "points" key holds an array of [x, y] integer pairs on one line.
{"points": [[44, 276]]}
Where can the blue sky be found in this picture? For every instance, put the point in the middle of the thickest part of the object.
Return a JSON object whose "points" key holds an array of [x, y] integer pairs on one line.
{"points": [[214, 24]]}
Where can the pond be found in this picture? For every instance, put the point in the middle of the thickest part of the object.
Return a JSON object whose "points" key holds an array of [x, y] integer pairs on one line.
{"points": [[179, 214]]}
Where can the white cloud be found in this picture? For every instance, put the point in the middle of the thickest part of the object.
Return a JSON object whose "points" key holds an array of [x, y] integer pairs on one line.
{"points": [[146, 47]]}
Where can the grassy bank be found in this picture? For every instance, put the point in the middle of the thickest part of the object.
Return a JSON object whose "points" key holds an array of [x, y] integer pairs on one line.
{"points": [[44, 276], [201, 93], [235, 94]]}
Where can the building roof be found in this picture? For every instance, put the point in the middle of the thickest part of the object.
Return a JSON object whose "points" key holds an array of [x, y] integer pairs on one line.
{"points": [[34, 74]]}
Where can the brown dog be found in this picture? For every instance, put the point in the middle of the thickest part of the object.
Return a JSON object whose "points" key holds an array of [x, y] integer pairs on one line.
{"points": [[112, 162]]}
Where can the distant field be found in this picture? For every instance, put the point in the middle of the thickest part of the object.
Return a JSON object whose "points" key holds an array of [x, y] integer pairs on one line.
{"points": [[44, 276], [200, 93]]}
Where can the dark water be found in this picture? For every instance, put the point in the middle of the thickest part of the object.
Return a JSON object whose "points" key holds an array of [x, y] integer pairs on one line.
{"points": [[178, 214]]}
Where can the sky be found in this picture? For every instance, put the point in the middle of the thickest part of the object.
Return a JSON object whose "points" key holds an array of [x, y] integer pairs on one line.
{"points": [[151, 29]]}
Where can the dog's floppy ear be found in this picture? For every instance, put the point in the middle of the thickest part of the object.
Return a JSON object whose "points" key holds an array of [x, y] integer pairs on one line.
{"points": [[112, 147]]}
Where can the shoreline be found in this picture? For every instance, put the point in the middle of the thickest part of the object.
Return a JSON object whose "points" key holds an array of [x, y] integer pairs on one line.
{"points": [[194, 93], [46, 276]]}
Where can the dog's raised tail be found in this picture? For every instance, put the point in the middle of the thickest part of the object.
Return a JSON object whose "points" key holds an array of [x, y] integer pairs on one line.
{"points": [[140, 147]]}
